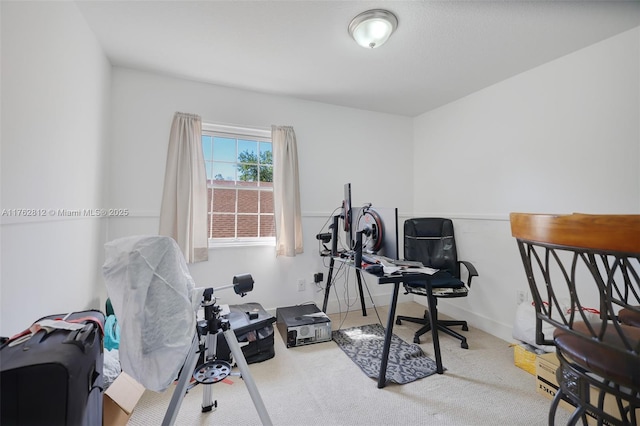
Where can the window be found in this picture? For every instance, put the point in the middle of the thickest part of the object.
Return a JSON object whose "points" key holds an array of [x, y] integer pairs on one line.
{"points": [[239, 166]]}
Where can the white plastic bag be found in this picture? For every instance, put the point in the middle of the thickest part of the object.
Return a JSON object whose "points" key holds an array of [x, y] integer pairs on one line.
{"points": [[111, 368], [151, 290], [524, 328]]}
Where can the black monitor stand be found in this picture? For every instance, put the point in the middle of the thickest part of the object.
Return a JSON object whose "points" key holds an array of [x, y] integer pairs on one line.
{"points": [[357, 263], [334, 236]]}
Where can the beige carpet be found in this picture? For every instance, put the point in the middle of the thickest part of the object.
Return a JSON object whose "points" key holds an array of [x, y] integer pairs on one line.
{"points": [[319, 385]]}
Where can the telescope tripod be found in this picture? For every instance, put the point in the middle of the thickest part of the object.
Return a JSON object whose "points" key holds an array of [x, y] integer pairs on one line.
{"points": [[212, 370]]}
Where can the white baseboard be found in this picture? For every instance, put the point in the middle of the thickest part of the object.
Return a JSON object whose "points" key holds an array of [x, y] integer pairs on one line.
{"points": [[501, 331], [333, 307]]}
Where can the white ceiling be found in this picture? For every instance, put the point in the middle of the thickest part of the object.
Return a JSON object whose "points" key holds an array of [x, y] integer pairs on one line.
{"points": [[441, 51]]}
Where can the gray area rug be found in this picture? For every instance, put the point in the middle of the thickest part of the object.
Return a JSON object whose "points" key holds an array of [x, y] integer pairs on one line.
{"points": [[407, 362]]}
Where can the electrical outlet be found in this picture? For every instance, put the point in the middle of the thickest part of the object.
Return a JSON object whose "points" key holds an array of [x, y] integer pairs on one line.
{"points": [[521, 296], [301, 284]]}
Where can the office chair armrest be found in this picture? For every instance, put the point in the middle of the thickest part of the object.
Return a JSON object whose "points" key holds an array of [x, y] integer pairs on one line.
{"points": [[471, 269]]}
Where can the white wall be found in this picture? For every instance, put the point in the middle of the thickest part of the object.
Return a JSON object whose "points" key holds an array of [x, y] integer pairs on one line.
{"points": [[55, 94], [561, 138], [335, 145]]}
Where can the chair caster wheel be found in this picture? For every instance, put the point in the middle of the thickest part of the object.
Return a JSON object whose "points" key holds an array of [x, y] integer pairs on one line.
{"points": [[416, 340], [465, 328], [464, 345], [398, 322]]}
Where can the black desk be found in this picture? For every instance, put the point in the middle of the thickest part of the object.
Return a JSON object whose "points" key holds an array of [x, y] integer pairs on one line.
{"points": [[396, 280], [349, 263]]}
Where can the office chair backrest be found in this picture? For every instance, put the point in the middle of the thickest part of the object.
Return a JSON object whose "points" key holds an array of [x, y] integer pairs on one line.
{"points": [[432, 242]]}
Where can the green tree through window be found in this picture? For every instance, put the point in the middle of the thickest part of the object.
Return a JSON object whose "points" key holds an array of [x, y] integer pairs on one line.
{"points": [[252, 170]]}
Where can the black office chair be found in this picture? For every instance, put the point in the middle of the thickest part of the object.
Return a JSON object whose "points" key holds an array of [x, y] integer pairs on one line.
{"points": [[432, 242]]}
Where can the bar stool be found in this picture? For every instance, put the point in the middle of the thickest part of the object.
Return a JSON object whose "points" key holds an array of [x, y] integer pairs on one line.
{"points": [[581, 257]]}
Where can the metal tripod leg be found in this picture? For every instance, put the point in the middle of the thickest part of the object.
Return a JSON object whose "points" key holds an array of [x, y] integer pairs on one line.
{"points": [[209, 353], [190, 366], [183, 381], [238, 356]]}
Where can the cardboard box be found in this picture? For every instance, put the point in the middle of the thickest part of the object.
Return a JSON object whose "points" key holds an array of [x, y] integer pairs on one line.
{"points": [[547, 385], [120, 399], [524, 359], [546, 382]]}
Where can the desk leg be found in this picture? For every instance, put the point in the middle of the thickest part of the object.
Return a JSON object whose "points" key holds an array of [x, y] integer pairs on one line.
{"points": [[382, 377], [433, 316], [327, 288], [359, 277]]}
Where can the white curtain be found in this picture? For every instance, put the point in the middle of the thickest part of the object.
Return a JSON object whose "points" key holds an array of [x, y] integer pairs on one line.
{"points": [[183, 215], [286, 191]]}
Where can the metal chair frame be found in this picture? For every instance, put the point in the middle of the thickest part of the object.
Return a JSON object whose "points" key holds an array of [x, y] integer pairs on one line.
{"points": [[563, 256]]}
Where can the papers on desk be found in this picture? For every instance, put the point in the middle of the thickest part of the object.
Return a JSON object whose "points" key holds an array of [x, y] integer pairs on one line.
{"points": [[400, 269], [390, 268], [423, 270], [387, 267]]}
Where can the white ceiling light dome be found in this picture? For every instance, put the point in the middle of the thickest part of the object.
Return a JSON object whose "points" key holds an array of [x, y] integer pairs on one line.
{"points": [[373, 28]]}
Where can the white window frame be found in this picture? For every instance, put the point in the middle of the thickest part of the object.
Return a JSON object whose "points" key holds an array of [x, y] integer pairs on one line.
{"points": [[261, 135]]}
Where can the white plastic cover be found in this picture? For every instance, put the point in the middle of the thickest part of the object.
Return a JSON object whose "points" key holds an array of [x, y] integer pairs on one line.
{"points": [[151, 291], [524, 328]]}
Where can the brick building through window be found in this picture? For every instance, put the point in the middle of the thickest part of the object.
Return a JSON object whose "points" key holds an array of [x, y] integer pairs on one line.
{"points": [[239, 168]]}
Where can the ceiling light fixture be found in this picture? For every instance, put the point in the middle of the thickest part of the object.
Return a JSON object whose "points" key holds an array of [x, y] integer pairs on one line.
{"points": [[373, 28]]}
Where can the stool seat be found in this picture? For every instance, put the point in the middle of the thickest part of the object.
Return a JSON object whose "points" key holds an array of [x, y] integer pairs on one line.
{"points": [[616, 364], [629, 317]]}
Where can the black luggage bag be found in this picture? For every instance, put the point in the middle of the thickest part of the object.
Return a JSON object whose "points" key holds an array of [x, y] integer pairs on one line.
{"points": [[55, 376], [250, 323]]}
